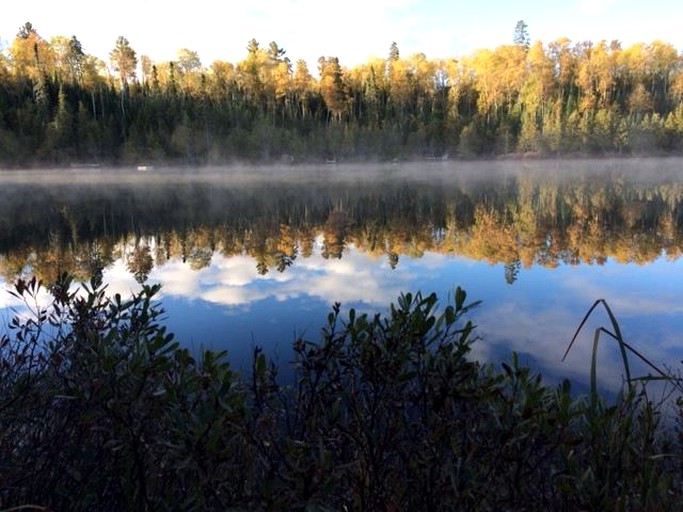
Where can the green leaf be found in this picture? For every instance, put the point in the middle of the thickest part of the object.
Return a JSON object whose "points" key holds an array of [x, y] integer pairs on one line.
{"points": [[460, 297], [261, 365]]}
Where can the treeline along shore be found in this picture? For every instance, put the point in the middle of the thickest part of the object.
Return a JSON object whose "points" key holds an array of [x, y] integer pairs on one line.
{"points": [[62, 106]]}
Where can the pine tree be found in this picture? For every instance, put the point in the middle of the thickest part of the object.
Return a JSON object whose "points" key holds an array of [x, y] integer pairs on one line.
{"points": [[521, 36], [394, 54]]}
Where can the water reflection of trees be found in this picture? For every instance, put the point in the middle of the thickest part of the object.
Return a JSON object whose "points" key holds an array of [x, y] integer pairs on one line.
{"points": [[520, 222]]}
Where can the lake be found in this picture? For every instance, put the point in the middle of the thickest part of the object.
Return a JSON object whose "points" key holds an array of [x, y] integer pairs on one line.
{"points": [[257, 256]]}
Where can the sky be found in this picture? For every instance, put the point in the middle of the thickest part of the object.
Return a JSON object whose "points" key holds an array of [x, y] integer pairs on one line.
{"points": [[352, 30]]}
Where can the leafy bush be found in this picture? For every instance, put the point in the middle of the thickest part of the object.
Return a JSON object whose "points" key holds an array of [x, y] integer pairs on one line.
{"points": [[101, 409]]}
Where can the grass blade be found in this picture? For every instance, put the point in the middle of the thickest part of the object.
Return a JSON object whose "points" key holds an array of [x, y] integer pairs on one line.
{"points": [[620, 340], [594, 366], [596, 338]]}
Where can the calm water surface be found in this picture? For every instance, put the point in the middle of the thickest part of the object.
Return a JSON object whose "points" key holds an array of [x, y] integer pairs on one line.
{"points": [[258, 256]]}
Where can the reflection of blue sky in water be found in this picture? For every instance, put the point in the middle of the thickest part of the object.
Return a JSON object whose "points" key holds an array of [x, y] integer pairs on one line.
{"points": [[229, 305]]}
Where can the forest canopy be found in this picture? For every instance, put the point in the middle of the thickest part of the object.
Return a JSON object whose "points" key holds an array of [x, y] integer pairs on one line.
{"points": [[60, 105]]}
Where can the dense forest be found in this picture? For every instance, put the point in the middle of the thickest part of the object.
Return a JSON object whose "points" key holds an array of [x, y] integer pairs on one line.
{"points": [[519, 221], [60, 105]]}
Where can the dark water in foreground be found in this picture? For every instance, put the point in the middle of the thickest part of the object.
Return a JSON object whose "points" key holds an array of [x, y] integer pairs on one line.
{"points": [[258, 256]]}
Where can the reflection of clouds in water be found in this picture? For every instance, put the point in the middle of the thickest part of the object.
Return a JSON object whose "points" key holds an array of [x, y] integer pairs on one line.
{"points": [[120, 280], [646, 301], [11, 306], [7, 300], [232, 296], [626, 299], [224, 274], [544, 335], [355, 277], [542, 322], [233, 281]]}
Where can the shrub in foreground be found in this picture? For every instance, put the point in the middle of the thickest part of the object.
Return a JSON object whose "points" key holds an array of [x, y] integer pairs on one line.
{"points": [[101, 409]]}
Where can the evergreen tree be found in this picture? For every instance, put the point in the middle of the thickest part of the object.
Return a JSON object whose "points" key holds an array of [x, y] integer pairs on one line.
{"points": [[394, 54], [75, 59], [332, 86], [26, 31], [61, 129], [275, 53], [521, 36]]}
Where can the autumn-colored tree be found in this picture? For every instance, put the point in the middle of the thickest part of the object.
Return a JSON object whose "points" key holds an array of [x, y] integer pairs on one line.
{"points": [[69, 58], [332, 87], [535, 97], [250, 73], [123, 60], [140, 262], [30, 55], [188, 60], [302, 83]]}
